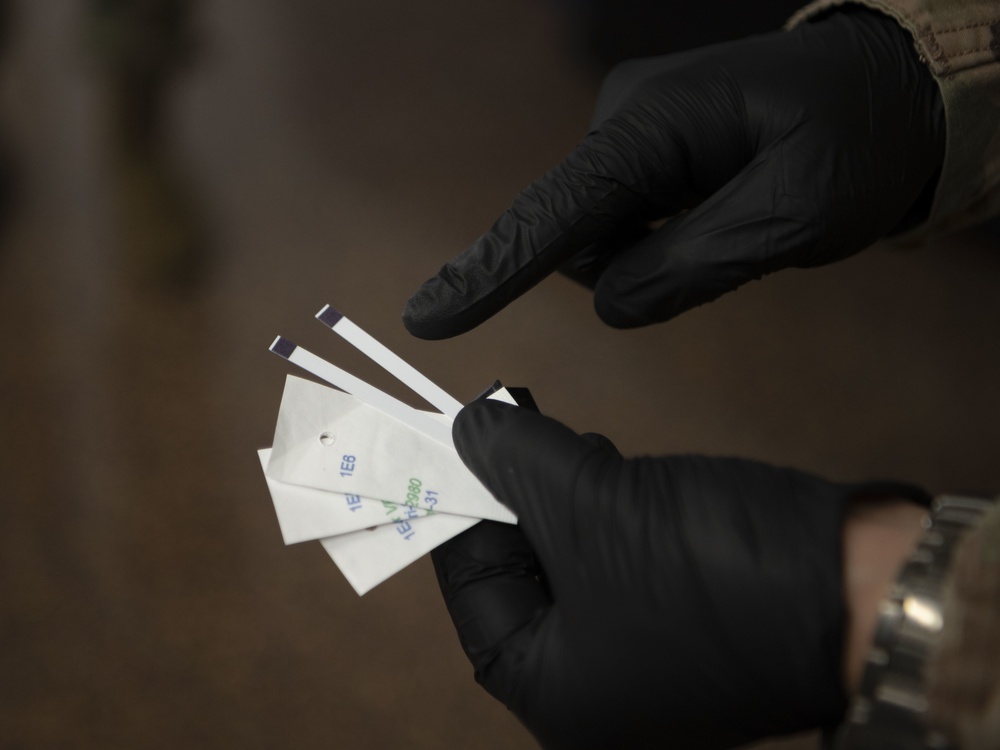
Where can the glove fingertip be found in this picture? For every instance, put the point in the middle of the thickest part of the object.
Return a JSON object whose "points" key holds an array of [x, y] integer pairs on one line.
{"points": [[610, 310], [427, 314]]}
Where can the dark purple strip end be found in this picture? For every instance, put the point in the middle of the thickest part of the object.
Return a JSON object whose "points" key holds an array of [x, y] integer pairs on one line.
{"points": [[283, 347], [329, 316]]}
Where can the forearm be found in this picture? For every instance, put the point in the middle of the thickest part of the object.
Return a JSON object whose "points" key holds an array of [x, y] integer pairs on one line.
{"points": [[878, 537]]}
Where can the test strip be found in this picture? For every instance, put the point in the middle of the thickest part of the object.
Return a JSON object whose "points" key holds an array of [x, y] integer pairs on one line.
{"points": [[371, 395], [382, 355]]}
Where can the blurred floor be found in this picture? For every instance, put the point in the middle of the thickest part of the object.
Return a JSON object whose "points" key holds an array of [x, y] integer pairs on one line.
{"points": [[340, 153]]}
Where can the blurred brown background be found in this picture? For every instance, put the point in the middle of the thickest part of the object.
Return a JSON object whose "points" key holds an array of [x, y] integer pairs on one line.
{"points": [[178, 189]]}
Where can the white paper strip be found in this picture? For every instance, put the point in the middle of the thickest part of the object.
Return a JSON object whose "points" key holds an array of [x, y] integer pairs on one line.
{"points": [[396, 365], [385, 403]]}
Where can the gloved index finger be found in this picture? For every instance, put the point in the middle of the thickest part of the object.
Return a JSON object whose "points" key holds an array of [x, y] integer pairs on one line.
{"points": [[489, 578], [575, 204]]}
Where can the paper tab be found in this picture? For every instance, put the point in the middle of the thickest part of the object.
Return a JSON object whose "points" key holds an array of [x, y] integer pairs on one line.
{"points": [[366, 558], [306, 514], [329, 440]]}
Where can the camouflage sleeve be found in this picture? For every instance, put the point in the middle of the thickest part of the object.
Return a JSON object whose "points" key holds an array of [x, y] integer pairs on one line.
{"points": [[960, 42]]}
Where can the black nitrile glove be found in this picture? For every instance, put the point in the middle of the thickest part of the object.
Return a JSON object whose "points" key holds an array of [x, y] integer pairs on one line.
{"points": [[685, 602], [790, 149]]}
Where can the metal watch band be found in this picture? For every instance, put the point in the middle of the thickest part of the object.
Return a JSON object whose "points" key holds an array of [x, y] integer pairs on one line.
{"points": [[889, 710]]}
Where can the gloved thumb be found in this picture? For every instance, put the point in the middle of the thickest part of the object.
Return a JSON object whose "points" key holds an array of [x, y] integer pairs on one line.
{"points": [[536, 466]]}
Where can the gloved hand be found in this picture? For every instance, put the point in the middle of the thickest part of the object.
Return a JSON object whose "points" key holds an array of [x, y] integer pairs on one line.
{"points": [[790, 149], [688, 599]]}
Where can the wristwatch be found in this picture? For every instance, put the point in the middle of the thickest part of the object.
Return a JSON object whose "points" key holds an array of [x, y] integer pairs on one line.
{"points": [[889, 712]]}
